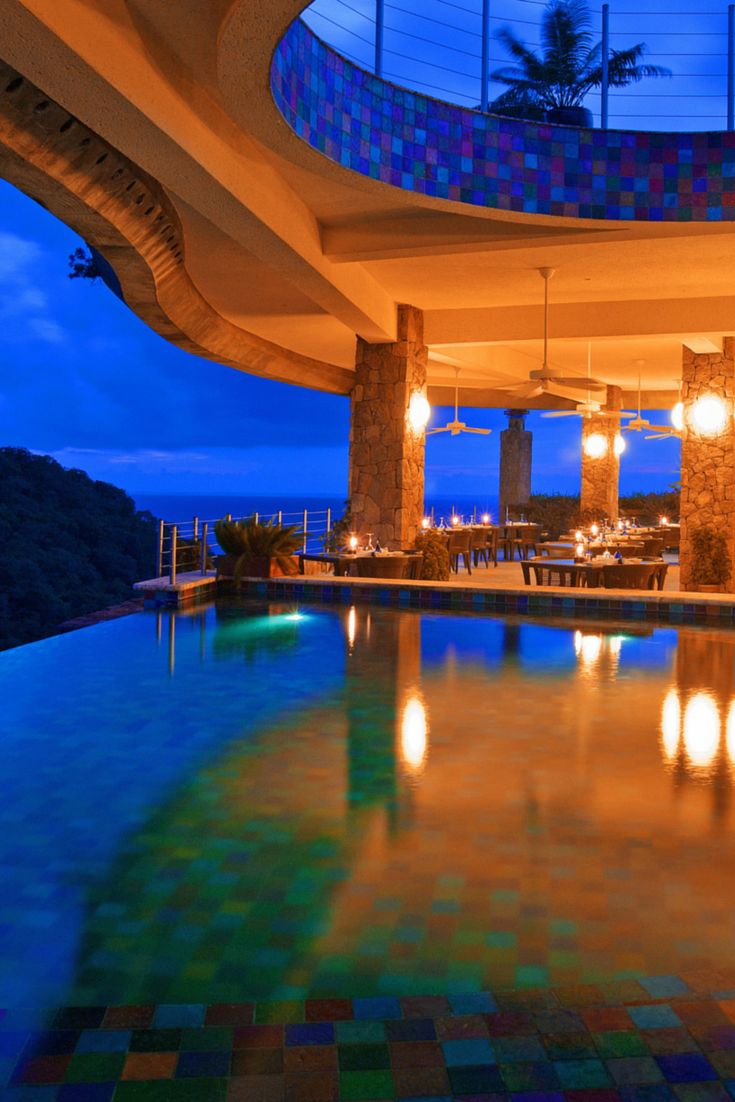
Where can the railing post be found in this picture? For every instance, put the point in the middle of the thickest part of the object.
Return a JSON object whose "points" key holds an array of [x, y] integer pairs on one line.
{"points": [[379, 26], [306, 518], [195, 527], [485, 77], [228, 518], [605, 87], [329, 521], [159, 556], [205, 534], [731, 67], [174, 539], [280, 516], [256, 517]]}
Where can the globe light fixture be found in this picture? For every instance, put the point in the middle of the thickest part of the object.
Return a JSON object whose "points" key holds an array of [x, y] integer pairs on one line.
{"points": [[595, 446], [708, 415], [677, 416], [419, 412], [426, 523], [619, 445]]}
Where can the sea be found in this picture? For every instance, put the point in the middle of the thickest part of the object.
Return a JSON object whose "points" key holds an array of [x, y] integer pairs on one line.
{"points": [[181, 508]]}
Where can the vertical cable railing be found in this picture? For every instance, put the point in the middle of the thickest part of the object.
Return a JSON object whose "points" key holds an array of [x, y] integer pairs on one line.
{"points": [[188, 547], [449, 49]]}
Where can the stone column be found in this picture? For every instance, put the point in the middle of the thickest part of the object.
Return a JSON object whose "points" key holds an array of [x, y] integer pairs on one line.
{"points": [[707, 461], [386, 477], [601, 473], [515, 462]]}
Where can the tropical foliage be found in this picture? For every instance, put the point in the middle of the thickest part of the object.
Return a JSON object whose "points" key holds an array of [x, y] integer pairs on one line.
{"points": [[68, 545], [711, 563], [249, 540], [435, 557], [336, 538], [568, 66]]}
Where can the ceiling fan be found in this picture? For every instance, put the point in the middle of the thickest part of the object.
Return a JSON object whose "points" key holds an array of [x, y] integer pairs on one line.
{"points": [[590, 406], [456, 426], [638, 424], [544, 380], [667, 432]]}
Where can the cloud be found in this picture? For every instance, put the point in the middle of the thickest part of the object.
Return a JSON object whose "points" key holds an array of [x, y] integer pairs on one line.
{"points": [[22, 300]]}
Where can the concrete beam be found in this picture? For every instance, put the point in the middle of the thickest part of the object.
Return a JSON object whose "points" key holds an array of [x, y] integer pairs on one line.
{"points": [[652, 317]]}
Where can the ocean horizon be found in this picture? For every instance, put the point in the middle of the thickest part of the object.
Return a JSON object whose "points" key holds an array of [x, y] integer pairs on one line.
{"points": [[182, 507]]}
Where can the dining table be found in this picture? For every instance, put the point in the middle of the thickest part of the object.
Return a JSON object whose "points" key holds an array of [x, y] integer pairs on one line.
{"points": [[588, 573], [365, 564]]}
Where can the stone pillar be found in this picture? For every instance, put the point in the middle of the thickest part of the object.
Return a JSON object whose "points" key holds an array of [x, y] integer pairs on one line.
{"points": [[601, 473], [707, 461], [386, 476], [515, 462]]}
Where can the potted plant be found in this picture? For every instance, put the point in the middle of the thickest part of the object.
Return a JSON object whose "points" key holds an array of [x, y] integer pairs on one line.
{"points": [[434, 557], [711, 565], [552, 84], [256, 550], [336, 538]]}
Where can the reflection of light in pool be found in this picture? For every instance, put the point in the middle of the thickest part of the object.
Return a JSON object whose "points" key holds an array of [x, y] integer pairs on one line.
{"points": [[587, 647], [414, 729], [616, 643], [351, 627], [730, 732], [701, 729], [670, 719]]}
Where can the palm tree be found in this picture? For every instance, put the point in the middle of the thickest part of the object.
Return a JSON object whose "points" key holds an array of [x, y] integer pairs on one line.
{"points": [[568, 67]]}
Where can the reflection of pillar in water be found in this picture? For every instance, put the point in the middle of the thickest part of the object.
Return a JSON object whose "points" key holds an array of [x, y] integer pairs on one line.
{"points": [[695, 712], [171, 643], [511, 642], [385, 711]]}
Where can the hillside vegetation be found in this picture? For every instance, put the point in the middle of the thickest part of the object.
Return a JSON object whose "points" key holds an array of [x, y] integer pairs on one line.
{"points": [[68, 545]]}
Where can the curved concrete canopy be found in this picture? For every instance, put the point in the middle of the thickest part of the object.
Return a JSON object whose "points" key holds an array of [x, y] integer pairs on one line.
{"points": [[289, 255]]}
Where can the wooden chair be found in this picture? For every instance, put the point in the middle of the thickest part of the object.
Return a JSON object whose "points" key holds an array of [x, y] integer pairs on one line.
{"points": [[653, 547], [630, 550], [491, 543], [459, 544], [631, 577], [478, 546], [525, 539], [544, 551]]}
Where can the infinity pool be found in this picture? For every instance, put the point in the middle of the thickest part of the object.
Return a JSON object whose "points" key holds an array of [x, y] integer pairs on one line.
{"points": [[260, 801]]}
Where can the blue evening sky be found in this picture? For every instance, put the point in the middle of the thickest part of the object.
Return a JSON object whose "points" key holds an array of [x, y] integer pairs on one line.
{"points": [[84, 380]]}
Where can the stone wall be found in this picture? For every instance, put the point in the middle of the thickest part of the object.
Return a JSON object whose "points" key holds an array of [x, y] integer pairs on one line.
{"points": [[516, 444], [707, 462], [600, 477], [386, 456]]}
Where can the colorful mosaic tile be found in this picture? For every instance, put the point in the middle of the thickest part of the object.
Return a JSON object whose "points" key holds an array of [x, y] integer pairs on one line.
{"points": [[411, 141]]}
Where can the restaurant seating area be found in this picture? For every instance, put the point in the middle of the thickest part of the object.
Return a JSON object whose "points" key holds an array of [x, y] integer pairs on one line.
{"points": [[520, 553]]}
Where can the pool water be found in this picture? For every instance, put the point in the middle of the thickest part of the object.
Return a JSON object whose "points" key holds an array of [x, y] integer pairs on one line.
{"points": [[263, 801]]}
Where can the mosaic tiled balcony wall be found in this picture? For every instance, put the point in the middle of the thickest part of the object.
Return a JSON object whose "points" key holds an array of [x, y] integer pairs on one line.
{"points": [[424, 145]]}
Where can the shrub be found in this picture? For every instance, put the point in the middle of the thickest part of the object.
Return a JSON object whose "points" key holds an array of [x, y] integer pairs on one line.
{"points": [[435, 557], [248, 540], [710, 558]]}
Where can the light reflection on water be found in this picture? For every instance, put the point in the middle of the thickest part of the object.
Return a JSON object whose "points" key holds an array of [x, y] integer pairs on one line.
{"points": [[283, 801]]}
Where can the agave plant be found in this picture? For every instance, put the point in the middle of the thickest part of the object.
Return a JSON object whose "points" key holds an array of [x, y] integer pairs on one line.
{"points": [[568, 66], [249, 540]]}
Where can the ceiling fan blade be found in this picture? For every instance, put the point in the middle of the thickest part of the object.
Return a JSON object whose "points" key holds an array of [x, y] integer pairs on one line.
{"points": [[668, 430], [481, 432], [433, 432], [576, 382], [562, 413], [659, 436], [625, 413]]}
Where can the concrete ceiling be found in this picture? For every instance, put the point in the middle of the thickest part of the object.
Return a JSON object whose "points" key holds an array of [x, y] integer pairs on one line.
{"points": [[288, 246]]}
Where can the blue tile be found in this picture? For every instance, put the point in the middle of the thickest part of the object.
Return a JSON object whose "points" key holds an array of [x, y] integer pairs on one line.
{"points": [[198, 1065], [480, 1003], [183, 1014], [468, 1051], [379, 1007], [317, 1033], [664, 987], [104, 1040], [654, 1017], [686, 1067]]}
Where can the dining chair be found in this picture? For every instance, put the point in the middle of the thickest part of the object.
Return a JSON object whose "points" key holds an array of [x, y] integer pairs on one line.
{"points": [[641, 576], [653, 547], [526, 539], [548, 552], [459, 545], [478, 546]]}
